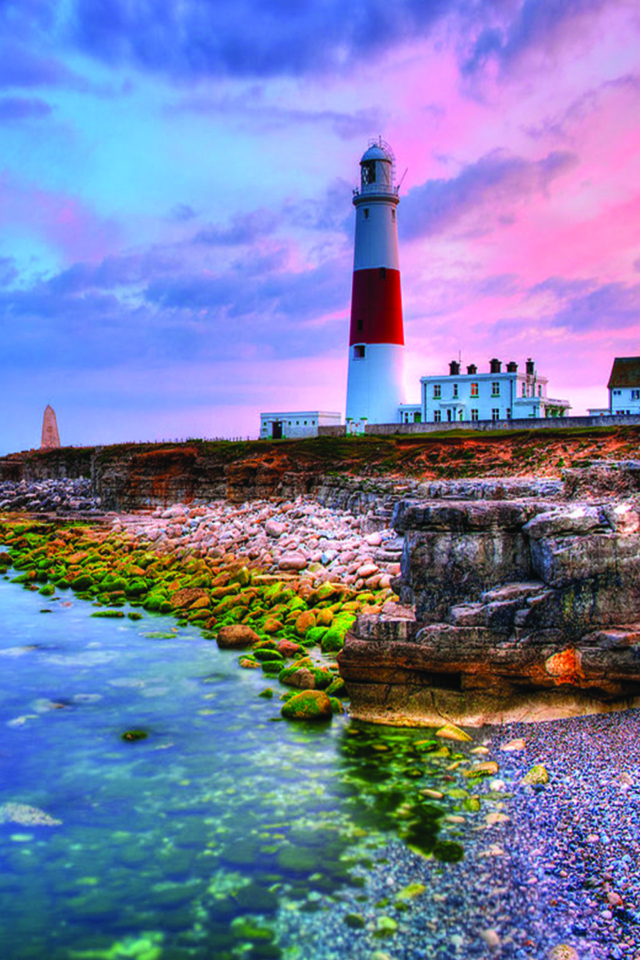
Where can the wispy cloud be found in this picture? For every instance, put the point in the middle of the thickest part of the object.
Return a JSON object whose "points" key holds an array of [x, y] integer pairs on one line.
{"points": [[493, 186]]}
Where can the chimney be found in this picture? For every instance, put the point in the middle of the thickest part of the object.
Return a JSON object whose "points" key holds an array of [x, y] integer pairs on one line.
{"points": [[495, 366], [454, 368], [531, 367], [512, 367], [471, 369]]}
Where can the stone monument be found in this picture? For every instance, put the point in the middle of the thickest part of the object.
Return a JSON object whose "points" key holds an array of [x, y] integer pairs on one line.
{"points": [[50, 435]]}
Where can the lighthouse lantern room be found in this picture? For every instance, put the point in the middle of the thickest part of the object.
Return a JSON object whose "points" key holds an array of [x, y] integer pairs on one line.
{"points": [[375, 385]]}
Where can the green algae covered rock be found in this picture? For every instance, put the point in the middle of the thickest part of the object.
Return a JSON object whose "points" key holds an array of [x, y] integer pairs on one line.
{"points": [[308, 705], [332, 641], [266, 653], [112, 614], [314, 635], [48, 590], [537, 776], [337, 688], [451, 732]]}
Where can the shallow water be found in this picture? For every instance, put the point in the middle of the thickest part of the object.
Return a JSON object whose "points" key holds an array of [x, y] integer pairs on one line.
{"points": [[191, 842]]}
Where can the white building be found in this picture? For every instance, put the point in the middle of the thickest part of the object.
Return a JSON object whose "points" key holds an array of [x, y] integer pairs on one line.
{"points": [[296, 424], [624, 386], [495, 395]]}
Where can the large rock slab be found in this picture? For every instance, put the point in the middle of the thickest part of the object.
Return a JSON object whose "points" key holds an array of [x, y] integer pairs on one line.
{"points": [[523, 610]]}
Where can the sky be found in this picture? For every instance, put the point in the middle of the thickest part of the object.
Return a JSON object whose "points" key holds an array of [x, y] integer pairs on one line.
{"points": [[176, 226]]}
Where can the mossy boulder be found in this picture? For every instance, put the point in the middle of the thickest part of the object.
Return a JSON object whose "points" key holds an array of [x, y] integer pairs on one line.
{"points": [[314, 635], [265, 653], [308, 705], [83, 582], [332, 641], [272, 625], [47, 591]]}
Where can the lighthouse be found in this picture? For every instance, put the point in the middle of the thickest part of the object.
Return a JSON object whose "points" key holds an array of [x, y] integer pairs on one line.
{"points": [[375, 384]]}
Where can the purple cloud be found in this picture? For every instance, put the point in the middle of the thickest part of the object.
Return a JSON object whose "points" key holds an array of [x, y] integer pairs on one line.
{"points": [[244, 228], [22, 108], [8, 271], [610, 306], [21, 67], [181, 212], [531, 24], [495, 181]]}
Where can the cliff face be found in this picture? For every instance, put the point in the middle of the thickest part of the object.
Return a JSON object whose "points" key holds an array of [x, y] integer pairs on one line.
{"points": [[135, 476], [523, 609]]}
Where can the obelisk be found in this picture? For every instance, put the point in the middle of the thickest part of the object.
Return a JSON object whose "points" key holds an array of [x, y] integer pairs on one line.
{"points": [[50, 435]]}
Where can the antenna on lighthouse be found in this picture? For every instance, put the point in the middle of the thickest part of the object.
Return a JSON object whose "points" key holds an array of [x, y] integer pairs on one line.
{"points": [[402, 179]]}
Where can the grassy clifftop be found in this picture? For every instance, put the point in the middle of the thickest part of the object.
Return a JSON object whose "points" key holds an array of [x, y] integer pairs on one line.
{"points": [[428, 456]]}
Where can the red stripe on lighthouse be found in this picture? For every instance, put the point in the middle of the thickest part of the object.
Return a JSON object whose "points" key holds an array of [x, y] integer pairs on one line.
{"points": [[376, 307]]}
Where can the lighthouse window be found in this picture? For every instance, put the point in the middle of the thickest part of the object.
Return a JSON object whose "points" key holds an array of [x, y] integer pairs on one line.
{"points": [[369, 171], [359, 324], [383, 273], [366, 213], [358, 351], [393, 214]]}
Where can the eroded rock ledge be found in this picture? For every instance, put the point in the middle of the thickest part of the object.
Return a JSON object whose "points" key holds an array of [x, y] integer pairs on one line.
{"points": [[509, 610]]}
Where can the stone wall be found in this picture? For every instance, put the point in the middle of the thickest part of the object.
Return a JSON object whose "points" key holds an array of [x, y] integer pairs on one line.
{"points": [[485, 426]]}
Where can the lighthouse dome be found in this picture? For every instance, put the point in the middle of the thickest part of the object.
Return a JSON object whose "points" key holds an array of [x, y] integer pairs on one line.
{"points": [[377, 152]]}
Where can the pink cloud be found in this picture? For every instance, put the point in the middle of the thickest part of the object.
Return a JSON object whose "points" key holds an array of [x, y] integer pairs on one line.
{"points": [[63, 222]]}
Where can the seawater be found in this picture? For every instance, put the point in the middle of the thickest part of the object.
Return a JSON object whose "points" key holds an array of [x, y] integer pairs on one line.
{"points": [[191, 842]]}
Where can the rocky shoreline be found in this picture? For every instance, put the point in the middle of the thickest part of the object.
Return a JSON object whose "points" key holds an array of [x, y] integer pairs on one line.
{"points": [[554, 876], [56, 497]]}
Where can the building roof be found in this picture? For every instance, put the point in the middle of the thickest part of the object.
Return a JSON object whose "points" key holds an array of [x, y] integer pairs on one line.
{"points": [[625, 372]]}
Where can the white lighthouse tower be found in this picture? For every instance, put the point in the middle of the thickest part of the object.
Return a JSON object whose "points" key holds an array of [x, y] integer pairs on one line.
{"points": [[375, 385]]}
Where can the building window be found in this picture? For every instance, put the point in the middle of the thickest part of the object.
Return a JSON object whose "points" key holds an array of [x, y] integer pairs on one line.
{"points": [[474, 389], [383, 273], [358, 351], [449, 414], [437, 391], [495, 413], [474, 414], [495, 388], [437, 416], [359, 324], [635, 394], [508, 412], [524, 389], [455, 390], [539, 390], [366, 213], [616, 393]]}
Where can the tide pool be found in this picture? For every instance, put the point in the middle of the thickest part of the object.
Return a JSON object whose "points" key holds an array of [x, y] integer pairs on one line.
{"points": [[201, 839]]}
